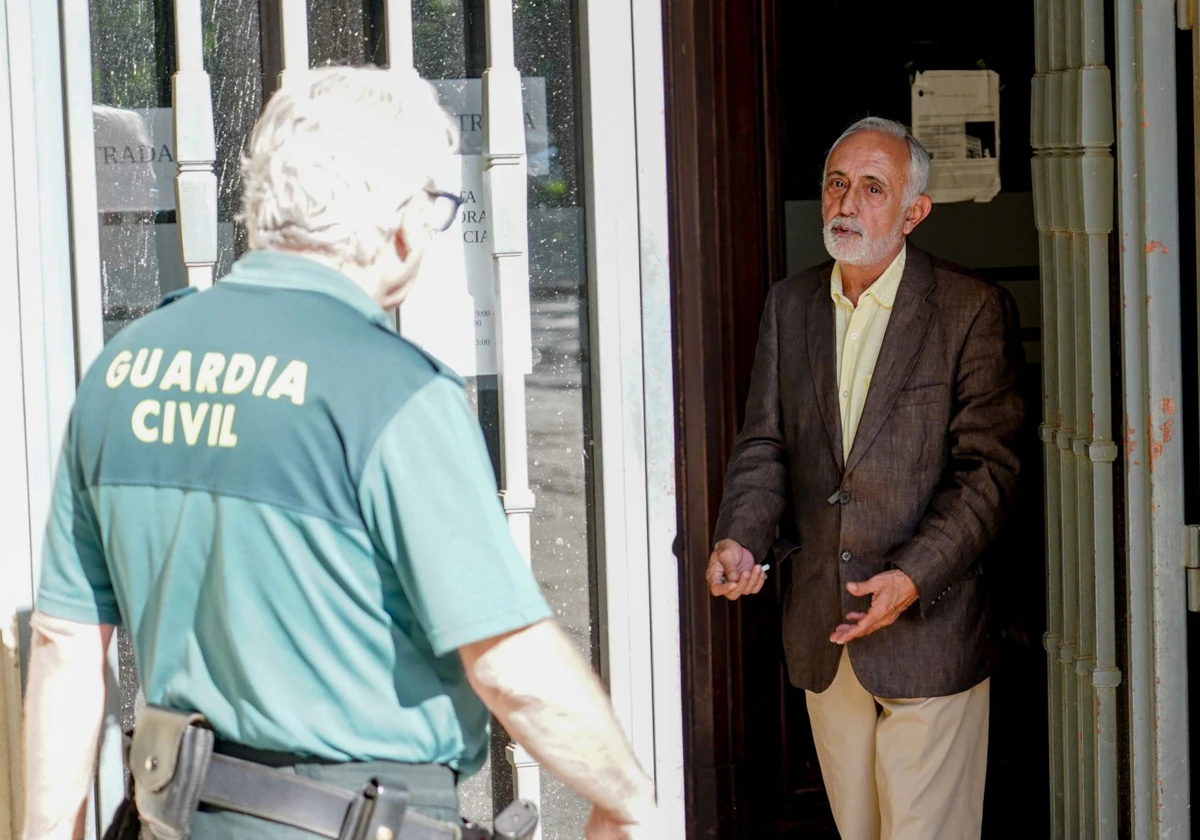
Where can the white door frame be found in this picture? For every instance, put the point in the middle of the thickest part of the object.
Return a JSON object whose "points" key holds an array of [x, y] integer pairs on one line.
{"points": [[633, 390]]}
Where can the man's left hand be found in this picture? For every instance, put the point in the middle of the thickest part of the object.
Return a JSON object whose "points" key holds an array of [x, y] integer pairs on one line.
{"points": [[891, 594]]}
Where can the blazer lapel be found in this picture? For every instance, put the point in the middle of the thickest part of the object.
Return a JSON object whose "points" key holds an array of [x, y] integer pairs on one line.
{"points": [[822, 358], [907, 329]]}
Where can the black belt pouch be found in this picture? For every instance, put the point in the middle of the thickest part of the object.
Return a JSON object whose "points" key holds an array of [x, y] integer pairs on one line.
{"points": [[168, 760]]}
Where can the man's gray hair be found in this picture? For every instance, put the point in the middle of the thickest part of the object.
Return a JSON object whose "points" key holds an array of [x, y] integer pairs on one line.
{"points": [[918, 165], [336, 155]]}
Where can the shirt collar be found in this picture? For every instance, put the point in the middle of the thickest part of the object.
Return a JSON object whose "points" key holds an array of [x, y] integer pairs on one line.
{"points": [[281, 270], [883, 290]]}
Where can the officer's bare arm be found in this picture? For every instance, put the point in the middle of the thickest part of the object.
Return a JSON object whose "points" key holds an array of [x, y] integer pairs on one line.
{"points": [[64, 708], [549, 700]]}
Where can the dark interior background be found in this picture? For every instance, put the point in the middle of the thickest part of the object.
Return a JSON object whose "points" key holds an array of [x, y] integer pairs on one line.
{"points": [[846, 59]]}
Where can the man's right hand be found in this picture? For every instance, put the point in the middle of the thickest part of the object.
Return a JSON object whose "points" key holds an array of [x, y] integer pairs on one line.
{"points": [[732, 572]]}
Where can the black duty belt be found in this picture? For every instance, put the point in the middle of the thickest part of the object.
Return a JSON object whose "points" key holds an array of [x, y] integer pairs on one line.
{"points": [[247, 788], [175, 770], [258, 791]]}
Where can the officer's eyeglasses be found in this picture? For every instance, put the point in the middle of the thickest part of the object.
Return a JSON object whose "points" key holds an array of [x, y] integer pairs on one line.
{"points": [[443, 208]]}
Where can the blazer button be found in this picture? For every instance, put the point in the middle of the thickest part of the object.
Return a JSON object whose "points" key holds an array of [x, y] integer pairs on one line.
{"points": [[844, 497], [846, 555]]}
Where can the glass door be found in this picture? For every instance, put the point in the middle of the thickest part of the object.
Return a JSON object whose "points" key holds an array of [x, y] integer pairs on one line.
{"points": [[138, 47]]}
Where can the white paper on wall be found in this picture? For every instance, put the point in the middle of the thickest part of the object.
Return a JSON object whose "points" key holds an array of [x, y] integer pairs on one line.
{"points": [[956, 116]]}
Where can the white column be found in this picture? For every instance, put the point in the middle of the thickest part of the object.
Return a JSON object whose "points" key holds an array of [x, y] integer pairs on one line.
{"points": [[614, 290], [658, 411], [195, 148], [16, 564], [633, 400], [293, 30], [504, 189], [81, 162], [398, 35]]}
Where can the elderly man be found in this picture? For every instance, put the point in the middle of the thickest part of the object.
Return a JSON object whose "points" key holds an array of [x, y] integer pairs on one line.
{"points": [[291, 510], [883, 405]]}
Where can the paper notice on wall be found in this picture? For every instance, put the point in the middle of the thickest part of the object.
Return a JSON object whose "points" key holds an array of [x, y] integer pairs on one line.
{"points": [[956, 116], [451, 311]]}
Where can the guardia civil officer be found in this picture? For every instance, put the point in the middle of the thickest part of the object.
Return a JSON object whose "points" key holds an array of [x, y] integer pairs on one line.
{"points": [[291, 510]]}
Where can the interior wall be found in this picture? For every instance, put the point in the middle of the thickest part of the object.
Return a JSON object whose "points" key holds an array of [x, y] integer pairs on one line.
{"points": [[852, 58]]}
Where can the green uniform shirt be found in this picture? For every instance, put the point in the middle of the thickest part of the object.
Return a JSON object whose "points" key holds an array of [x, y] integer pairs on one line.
{"points": [[291, 510]]}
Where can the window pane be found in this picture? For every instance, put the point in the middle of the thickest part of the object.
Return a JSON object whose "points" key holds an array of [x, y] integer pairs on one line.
{"points": [[450, 44], [560, 433], [338, 32]]}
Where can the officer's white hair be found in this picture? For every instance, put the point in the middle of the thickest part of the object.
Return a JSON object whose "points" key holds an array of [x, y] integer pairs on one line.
{"points": [[918, 164], [334, 158]]}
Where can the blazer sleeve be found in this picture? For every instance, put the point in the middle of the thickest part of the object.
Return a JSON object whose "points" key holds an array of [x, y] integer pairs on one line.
{"points": [[756, 483], [967, 510]]}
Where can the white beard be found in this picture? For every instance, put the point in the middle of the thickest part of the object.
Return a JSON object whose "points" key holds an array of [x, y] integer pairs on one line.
{"points": [[861, 251]]}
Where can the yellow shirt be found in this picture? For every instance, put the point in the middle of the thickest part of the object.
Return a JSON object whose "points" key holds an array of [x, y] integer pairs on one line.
{"points": [[860, 332]]}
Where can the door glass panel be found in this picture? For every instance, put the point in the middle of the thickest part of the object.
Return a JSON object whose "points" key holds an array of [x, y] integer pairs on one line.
{"points": [[133, 59], [450, 44], [338, 31], [559, 405], [132, 62]]}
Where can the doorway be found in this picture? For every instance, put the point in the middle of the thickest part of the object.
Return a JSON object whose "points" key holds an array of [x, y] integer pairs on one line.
{"points": [[759, 92]]}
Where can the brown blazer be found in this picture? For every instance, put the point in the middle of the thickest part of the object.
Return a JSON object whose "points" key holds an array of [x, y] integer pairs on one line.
{"points": [[931, 473]]}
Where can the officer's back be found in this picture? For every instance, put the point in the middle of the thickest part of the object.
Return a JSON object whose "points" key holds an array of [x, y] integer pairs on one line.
{"points": [[239, 495], [291, 510]]}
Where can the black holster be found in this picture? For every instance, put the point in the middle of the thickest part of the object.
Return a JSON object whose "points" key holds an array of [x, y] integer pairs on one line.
{"points": [[168, 759]]}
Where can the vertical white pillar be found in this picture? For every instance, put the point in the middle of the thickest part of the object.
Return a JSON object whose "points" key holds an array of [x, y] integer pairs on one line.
{"points": [[195, 147], [293, 36], [398, 35], [504, 189], [16, 565]]}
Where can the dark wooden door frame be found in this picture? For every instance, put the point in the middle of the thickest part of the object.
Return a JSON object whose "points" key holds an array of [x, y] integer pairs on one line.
{"points": [[726, 249]]}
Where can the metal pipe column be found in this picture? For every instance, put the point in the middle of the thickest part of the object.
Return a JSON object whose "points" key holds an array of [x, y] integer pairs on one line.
{"points": [[1160, 265], [1100, 677], [1065, 422], [1096, 137], [1040, 131], [1080, 440], [1039, 139], [1149, 223], [1089, 134], [1136, 450]]}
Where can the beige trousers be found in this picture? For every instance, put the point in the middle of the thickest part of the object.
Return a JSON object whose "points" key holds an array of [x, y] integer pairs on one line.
{"points": [[901, 769]]}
